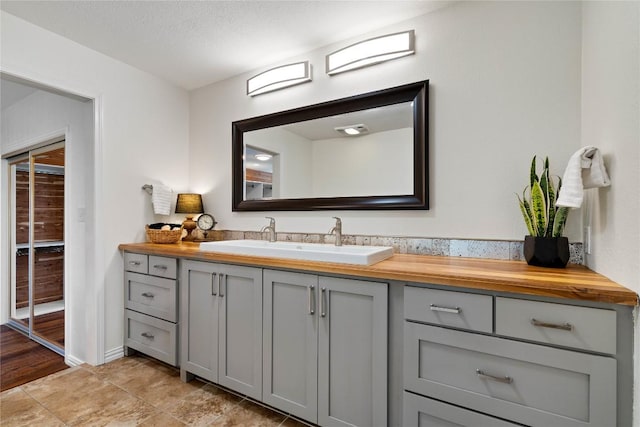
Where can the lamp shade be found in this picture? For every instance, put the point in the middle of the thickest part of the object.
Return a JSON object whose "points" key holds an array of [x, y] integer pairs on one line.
{"points": [[189, 203]]}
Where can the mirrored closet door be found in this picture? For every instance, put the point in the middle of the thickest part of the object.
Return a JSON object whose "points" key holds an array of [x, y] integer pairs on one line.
{"points": [[37, 244]]}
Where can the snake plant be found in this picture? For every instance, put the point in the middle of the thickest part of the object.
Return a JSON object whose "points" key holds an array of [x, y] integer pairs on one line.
{"points": [[542, 217]]}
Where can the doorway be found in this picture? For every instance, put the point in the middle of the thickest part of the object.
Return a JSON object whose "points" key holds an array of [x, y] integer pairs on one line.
{"points": [[37, 246]]}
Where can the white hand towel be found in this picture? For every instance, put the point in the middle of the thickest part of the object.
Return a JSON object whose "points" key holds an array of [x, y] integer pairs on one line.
{"points": [[585, 170], [161, 199]]}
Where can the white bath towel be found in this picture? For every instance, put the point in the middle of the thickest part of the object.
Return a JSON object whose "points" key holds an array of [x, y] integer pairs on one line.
{"points": [[161, 199], [585, 170]]}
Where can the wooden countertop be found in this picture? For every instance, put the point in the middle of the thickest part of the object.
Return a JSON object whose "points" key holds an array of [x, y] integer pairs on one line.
{"points": [[573, 282]]}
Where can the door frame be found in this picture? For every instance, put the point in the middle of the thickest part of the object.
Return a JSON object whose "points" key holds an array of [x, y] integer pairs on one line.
{"points": [[93, 334]]}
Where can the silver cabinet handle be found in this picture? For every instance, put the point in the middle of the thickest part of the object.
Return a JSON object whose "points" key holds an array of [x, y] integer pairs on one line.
{"points": [[455, 310], [221, 284], [147, 335], [213, 279], [160, 266], [504, 380], [323, 303], [134, 263], [563, 326], [147, 295], [310, 299]]}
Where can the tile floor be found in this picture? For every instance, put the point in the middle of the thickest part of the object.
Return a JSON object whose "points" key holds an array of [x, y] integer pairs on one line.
{"points": [[128, 392]]}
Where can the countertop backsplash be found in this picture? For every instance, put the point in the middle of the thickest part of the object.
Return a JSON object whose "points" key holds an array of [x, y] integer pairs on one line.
{"points": [[469, 248]]}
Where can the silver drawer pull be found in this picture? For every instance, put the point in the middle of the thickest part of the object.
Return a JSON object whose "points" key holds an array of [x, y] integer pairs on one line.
{"points": [[323, 302], [134, 263], [504, 380], [455, 310], [160, 267], [147, 335], [147, 294], [564, 326], [310, 299]]}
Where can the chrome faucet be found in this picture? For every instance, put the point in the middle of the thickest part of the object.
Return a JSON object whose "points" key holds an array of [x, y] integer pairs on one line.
{"points": [[337, 230], [271, 228]]}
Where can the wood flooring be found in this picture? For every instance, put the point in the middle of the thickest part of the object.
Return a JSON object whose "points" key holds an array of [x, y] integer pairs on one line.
{"points": [[23, 360]]}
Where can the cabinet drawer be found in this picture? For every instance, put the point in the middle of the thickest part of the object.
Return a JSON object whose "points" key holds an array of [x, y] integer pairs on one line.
{"points": [[449, 308], [150, 295], [163, 266], [566, 325], [135, 262], [420, 411], [155, 337], [521, 382]]}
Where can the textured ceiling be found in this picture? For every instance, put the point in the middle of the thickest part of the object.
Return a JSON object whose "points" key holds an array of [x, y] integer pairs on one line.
{"points": [[195, 43]]}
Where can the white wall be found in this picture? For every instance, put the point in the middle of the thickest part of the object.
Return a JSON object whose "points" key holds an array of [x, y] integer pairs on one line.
{"points": [[36, 119], [141, 137], [611, 121], [291, 164], [369, 165], [504, 85]]}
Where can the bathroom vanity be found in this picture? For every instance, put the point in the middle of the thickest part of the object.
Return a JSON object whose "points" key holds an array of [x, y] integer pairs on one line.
{"points": [[411, 340]]}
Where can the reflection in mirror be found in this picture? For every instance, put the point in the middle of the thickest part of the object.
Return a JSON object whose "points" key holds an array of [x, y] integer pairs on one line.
{"points": [[364, 152]]}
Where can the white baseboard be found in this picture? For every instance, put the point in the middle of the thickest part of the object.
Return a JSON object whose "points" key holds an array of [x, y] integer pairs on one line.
{"points": [[114, 354], [72, 361]]}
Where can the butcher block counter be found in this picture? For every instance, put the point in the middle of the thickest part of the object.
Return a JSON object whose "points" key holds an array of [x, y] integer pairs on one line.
{"points": [[573, 282]]}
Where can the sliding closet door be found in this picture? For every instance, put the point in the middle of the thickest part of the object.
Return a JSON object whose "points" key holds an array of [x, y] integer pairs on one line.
{"points": [[37, 185], [48, 238], [20, 241]]}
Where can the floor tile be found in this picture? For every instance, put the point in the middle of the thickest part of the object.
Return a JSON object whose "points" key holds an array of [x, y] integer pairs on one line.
{"points": [[203, 406], [161, 419], [17, 408], [249, 414], [132, 391]]}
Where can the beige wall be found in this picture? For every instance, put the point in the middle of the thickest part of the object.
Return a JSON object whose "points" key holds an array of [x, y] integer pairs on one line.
{"points": [[504, 85], [142, 137], [611, 121]]}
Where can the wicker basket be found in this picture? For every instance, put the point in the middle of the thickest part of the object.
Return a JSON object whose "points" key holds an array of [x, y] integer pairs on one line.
{"points": [[163, 236]]}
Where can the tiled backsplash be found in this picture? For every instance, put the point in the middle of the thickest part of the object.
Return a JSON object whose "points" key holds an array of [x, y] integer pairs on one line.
{"points": [[489, 249]]}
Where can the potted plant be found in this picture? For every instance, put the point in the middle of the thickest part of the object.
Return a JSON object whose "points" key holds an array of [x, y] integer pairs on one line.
{"points": [[544, 246]]}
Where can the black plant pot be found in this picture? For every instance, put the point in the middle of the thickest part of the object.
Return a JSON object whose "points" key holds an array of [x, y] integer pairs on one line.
{"points": [[546, 251]]}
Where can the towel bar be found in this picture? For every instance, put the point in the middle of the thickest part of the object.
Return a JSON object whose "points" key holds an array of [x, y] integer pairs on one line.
{"points": [[148, 188]]}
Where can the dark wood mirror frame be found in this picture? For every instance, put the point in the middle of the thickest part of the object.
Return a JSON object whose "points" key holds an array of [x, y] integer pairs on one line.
{"points": [[415, 92]]}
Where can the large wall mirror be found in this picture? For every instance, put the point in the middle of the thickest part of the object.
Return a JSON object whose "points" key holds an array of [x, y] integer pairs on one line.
{"points": [[363, 152]]}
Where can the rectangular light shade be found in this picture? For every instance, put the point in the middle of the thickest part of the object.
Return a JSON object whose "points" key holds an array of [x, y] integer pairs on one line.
{"points": [[189, 203], [279, 77], [371, 51]]}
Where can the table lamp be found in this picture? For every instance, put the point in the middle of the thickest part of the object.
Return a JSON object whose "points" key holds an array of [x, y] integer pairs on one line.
{"points": [[190, 204]]}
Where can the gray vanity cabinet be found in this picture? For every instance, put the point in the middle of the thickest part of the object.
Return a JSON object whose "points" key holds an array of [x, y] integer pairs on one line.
{"points": [[509, 371], [325, 348], [151, 306], [221, 327]]}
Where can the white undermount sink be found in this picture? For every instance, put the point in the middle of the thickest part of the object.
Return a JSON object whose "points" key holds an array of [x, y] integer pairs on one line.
{"points": [[361, 255]]}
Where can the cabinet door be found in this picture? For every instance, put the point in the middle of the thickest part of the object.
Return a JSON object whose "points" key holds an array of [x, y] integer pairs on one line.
{"points": [[240, 330], [290, 343], [420, 411], [199, 319], [352, 353]]}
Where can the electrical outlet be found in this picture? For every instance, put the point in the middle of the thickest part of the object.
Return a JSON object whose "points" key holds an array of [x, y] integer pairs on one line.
{"points": [[587, 239]]}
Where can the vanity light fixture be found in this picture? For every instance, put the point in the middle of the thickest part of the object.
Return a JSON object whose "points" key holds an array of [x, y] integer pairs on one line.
{"points": [[352, 130], [279, 77], [371, 51]]}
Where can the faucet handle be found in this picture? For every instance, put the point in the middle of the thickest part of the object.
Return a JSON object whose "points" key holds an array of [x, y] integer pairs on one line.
{"points": [[271, 220], [338, 220]]}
